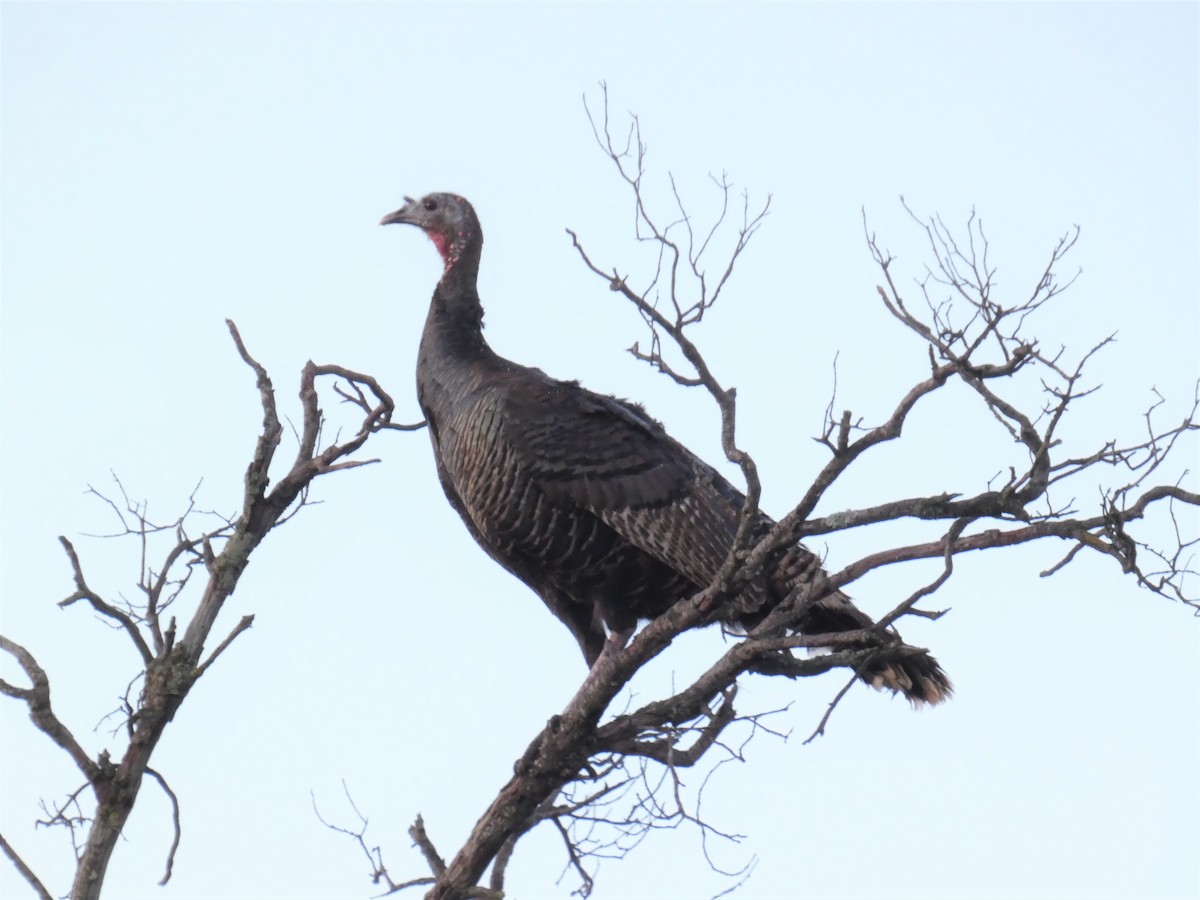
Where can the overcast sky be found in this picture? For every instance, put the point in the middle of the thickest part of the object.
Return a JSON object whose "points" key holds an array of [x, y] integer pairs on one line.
{"points": [[168, 165]]}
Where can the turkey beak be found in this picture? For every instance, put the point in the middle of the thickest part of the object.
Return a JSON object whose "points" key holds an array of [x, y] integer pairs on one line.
{"points": [[404, 215]]}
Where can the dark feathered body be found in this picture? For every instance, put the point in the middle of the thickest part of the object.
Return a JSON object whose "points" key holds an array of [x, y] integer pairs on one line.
{"points": [[584, 497]]}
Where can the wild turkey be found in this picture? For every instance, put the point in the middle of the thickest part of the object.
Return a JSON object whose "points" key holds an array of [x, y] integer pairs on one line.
{"points": [[584, 497]]}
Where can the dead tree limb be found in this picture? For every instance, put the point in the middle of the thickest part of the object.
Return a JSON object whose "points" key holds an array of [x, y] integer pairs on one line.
{"points": [[171, 665]]}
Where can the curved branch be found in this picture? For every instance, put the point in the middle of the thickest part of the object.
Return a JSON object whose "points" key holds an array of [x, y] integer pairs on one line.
{"points": [[162, 782], [37, 698], [83, 592]]}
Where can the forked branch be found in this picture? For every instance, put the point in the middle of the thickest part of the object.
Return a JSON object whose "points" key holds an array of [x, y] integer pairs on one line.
{"points": [[172, 664]]}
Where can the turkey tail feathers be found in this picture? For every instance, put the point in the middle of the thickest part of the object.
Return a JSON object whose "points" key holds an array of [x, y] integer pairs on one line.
{"points": [[911, 672]]}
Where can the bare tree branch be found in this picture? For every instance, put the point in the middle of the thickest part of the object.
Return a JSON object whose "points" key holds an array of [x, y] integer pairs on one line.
{"points": [[245, 623], [37, 698], [178, 833], [174, 664], [26, 872], [379, 872], [83, 592]]}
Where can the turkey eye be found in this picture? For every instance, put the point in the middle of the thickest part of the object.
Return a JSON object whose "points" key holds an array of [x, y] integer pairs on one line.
{"points": [[430, 205]]}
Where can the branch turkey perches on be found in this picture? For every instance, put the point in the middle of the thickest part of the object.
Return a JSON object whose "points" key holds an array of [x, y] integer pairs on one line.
{"points": [[586, 498]]}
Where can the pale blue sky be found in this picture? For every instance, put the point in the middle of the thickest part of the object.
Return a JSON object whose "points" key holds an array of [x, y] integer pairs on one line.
{"points": [[167, 165]]}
